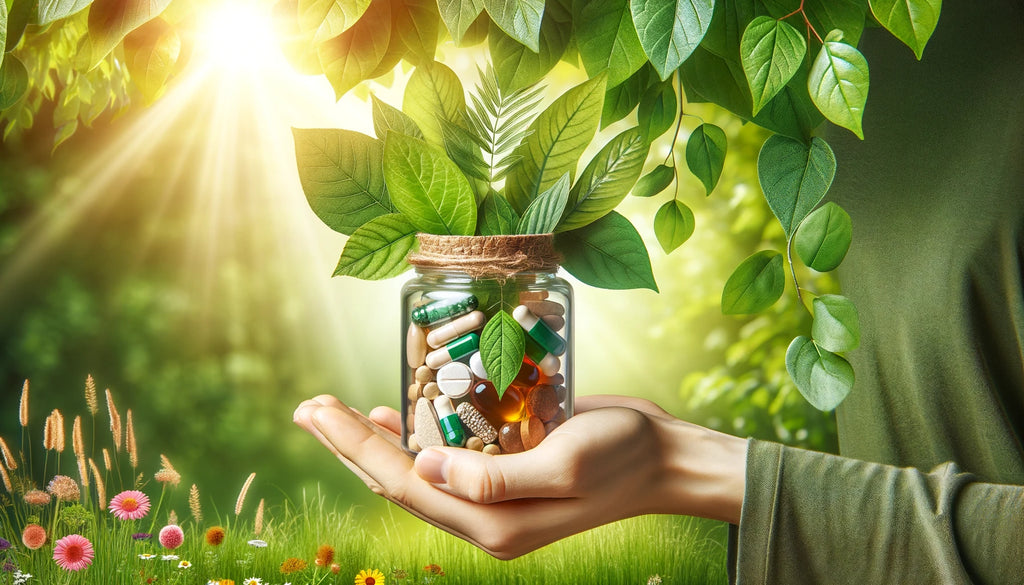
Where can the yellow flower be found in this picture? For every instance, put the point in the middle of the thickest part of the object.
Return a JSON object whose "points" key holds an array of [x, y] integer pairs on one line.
{"points": [[370, 577], [292, 565]]}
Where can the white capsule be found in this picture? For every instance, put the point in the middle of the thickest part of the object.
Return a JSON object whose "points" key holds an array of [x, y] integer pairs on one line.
{"points": [[455, 329], [455, 379], [443, 406], [476, 363], [549, 365]]}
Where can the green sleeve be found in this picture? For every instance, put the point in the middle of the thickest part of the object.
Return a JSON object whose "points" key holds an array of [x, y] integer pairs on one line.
{"points": [[816, 518]]}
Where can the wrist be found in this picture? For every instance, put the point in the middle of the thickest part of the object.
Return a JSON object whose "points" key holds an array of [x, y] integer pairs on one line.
{"points": [[703, 472]]}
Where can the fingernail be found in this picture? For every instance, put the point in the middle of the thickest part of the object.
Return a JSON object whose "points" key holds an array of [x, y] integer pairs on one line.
{"points": [[432, 465]]}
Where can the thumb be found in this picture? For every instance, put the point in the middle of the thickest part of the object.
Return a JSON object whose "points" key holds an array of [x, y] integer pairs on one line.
{"points": [[486, 479]]}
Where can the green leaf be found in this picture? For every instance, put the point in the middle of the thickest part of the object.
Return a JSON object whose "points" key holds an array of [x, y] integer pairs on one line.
{"points": [[655, 181], [824, 237], [352, 56], [771, 52], [13, 81], [657, 110], [326, 19], [794, 177], [836, 324], [607, 179], [377, 250], [22, 13], [608, 253], [418, 24], [52, 10], [458, 15], [755, 285], [838, 83], [607, 39], [3, 30], [557, 140], [342, 174], [673, 225], [298, 49], [622, 99], [151, 52], [543, 214], [518, 66], [823, 378], [464, 150], [502, 347], [496, 217], [427, 187], [500, 120], [477, 32], [670, 30], [111, 20], [520, 19], [705, 154], [911, 21], [432, 93], [387, 117]]}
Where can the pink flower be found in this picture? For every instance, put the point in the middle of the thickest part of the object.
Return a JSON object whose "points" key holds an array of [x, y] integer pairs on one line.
{"points": [[73, 553], [171, 536], [130, 505]]}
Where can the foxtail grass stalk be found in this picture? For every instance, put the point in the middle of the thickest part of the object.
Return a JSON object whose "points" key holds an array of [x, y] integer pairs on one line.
{"points": [[77, 444], [241, 495], [101, 489], [194, 505], [258, 525], [9, 460], [130, 445]]}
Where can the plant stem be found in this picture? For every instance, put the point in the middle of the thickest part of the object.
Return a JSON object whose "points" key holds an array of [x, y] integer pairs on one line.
{"points": [[792, 271], [807, 22]]}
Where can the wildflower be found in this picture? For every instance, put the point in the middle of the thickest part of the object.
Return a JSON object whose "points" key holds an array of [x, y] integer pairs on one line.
{"points": [[435, 569], [654, 580], [370, 577], [193, 504], [215, 536], [130, 505], [241, 494], [292, 565], [4, 544], [142, 536], [258, 543], [73, 553], [167, 473], [10, 567], [184, 565], [75, 516], [147, 556], [171, 536], [324, 555], [335, 568], [33, 537], [399, 574], [172, 517], [64, 488], [21, 578], [252, 581], [169, 558]]}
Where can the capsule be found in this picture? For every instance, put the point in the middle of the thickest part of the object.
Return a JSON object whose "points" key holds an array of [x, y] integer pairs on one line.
{"points": [[457, 349], [539, 331], [548, 364], [476, 363], [456, 328], [443, 310], [451, 428]]}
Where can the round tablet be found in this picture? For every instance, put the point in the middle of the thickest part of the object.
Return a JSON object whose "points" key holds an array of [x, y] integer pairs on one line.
{"points": [[454, 379]]}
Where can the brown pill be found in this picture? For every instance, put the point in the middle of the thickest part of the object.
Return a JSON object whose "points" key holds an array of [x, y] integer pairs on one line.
{"points": [[532, 432], [542, 402], [560, 416], [532, 295], [541, 308], [561, 392], [410, 421], [511, 438], [475, 443], [555, 322], [415, 391], [413, 443], [431, 390], [424, 375], [492, 449], [415, 346], [556, 380]]}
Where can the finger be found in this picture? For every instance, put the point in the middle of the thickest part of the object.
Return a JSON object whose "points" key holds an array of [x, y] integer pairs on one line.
{"points": [[365, 446], [302, 419], [334, 402], [388, 418], [585, 403]]}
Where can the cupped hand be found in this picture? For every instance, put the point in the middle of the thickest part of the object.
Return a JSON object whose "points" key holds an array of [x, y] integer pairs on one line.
{"points": [[617, 457]]}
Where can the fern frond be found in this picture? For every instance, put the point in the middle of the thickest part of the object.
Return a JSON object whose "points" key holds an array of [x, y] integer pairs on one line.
{"points": [[500, 121]]}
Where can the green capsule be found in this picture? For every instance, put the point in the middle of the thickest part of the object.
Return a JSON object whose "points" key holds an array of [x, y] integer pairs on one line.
{"points": [[443, 310]]}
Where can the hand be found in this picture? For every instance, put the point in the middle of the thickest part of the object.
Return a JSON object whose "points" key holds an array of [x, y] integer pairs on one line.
{"points": [[617, 457]]}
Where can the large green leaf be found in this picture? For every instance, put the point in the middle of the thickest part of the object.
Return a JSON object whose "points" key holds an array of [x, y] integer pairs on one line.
{"points": [[342, 174], [543, 214], [838, 83], [151, 52], [427, 187], [326, 19], [22, 13], [771, 52], [464, 149], [52, 10], [496, 216], [520, 19], [607, 39], [417, 23], [836, 324], [911, 21], [673, 225], [727, 25], [387, 117], [607, 179], [458, 15], [705, 154], [516, 65], [352, 56], [607, 253], [669, 30], [502, 347], [655, 181], [377, 250], [794, 177], [824, 237], [755, 285], [657, 110], [823, 378], [433, 93], [13, 81], [558, 138], [111, 20]]}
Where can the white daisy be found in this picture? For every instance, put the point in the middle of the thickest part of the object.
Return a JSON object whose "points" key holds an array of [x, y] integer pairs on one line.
{"points": [[147, 556], [252, 581], [169, 558], [184, 565], [258, 543]]}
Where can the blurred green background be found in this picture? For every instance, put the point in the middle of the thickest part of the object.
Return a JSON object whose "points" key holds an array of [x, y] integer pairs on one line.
{"points": [[170, 253]]}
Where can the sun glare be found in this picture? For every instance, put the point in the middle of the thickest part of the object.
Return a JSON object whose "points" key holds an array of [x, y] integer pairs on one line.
{"points": [[238, 34]]}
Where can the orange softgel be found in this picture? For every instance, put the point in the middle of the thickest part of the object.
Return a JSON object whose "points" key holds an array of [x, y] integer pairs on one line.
{"points": [[510, 408]]}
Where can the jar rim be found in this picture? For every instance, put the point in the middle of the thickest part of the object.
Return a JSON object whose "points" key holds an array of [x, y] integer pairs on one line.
{"points": [[487, 256]]}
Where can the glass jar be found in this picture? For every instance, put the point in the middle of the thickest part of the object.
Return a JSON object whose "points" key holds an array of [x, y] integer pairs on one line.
{"points": [[447, 398]]}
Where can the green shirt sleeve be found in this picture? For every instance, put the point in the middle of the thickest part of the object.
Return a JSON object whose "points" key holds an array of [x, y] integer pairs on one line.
{"points": [[817, 518]]}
